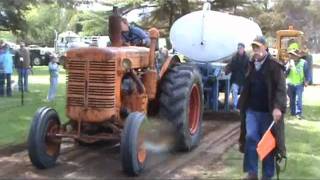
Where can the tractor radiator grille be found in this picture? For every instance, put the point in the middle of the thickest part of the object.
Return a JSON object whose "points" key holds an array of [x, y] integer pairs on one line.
{"points": [[91, 83]]}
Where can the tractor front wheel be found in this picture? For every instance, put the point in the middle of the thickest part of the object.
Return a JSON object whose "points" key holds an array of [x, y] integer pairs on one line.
{"points": [[132, 149], [43, 145]]}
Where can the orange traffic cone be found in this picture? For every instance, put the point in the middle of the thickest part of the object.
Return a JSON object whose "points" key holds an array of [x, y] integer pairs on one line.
{"points": [[266, 144]]}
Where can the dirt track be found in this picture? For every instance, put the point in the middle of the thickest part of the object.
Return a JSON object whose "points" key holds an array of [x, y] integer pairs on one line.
{"points": [[97, 162]]}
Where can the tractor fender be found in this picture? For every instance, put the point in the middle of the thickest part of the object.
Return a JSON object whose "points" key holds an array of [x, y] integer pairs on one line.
{"points": [[169, 61]]}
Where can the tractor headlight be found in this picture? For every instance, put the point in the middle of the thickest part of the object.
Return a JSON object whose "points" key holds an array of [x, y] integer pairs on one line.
{"points": [[126, 64]]}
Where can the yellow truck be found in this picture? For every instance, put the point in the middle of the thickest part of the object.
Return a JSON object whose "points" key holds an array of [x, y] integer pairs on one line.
{"points": [[289, 38], [292, 39]]}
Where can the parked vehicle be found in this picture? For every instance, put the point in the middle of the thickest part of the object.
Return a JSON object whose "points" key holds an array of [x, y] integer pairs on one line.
{"points": [[288, 36], [66, 41]]}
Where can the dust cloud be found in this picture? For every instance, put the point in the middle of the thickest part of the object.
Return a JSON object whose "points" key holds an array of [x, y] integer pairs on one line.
{"points": [[160, 136]]}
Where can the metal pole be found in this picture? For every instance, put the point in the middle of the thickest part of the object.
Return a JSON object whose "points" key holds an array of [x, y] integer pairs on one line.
{"points": [[215, 95], [21, 75]]}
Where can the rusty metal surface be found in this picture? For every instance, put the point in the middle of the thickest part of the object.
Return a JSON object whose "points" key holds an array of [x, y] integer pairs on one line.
{"points": [[165, 66], [149, 79], [138, 55], [115, 29], [91, 89], [94, 78], [93, 86], [91, 138], [136, 102], [90, 84], [154, 35]]}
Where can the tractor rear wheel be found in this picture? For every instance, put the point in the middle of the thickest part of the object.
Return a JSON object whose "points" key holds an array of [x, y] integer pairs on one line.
{"points": [[132, 149], [43, 145], [181, 99]]}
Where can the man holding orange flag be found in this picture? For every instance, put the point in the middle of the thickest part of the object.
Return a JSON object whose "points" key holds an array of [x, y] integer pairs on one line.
{"points": [[262, 101]]}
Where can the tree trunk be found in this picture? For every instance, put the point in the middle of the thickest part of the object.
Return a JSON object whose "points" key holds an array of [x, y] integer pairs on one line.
{"points": [[265, 4], [172, 12], [185, 8], [234, 7]]}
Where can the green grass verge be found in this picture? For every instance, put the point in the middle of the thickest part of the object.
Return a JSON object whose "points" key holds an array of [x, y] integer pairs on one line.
{"points": [[303, 146], [7, 36], [16, 119]]}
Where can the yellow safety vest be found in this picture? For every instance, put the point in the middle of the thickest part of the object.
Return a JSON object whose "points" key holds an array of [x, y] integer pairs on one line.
{"points": [[296, 74]]}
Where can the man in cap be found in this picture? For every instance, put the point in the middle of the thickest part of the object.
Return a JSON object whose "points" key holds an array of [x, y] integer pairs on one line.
{"points": [[238, 67], [262, 101], [23, 67], [297, 77]]}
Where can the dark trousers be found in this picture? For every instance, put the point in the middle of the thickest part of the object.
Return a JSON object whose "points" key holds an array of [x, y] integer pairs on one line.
{"points": [[23, 79], [2, 84], [257, 124], [8, 79], [5, 78], [295, 95]]}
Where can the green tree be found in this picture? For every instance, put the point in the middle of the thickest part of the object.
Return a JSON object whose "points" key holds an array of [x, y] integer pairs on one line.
{"points": [[167, 12], [230, 5], [12, 13], [44, 19], [90, 23]]}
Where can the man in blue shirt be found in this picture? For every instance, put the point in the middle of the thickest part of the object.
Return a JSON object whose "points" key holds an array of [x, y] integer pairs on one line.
{"points": [[8, 68], [133, 35], [2, 74]]}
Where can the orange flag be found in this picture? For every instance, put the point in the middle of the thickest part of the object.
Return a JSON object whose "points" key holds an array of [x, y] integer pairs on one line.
{"points": [[266, 144]]}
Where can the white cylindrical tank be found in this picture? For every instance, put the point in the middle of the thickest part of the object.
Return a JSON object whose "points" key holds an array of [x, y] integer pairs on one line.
{"points": [[210, 35]]}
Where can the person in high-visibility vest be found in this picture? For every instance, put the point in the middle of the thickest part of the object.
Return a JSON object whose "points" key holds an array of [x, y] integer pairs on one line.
{"points": [[293, 45], [297, 78]]}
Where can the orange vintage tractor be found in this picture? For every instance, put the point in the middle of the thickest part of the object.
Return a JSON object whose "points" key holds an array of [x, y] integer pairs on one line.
{"points": [[110, 91]]}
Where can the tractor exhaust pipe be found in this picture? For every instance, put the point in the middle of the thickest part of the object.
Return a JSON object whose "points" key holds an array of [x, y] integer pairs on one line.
{"points": [[115, 28], [154, 36]]}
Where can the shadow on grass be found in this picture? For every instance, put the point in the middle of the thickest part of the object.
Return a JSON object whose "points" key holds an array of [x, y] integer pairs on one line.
{"points": [[311, 113], [303, 147]]}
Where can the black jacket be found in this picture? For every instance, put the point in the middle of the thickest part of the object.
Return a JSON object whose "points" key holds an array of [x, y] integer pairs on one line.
{"points": [[238, 67], [273, 73]]}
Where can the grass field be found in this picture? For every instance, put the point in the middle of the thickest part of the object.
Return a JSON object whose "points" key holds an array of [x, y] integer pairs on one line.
{"points": [[15, 119], [303, 146]]}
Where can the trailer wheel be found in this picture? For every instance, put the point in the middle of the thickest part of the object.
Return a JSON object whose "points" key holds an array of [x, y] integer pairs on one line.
{"points": [[181, 99], [132, 149], [43, 146]]}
